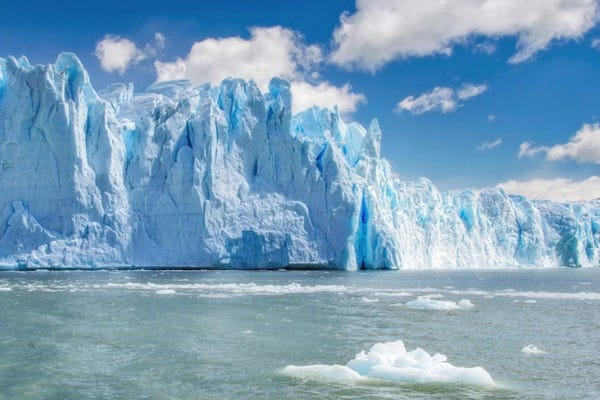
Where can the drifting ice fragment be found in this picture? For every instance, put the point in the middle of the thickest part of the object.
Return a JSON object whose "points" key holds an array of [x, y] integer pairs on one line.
{"points": [[429, 303], [391, 362], [532, 350]]}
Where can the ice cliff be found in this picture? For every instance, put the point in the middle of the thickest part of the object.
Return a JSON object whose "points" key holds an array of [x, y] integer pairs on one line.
{"points": [[227, 177]]}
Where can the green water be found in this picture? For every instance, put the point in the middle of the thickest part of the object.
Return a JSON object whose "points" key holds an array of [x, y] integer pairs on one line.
{"points": [[228, 335]]}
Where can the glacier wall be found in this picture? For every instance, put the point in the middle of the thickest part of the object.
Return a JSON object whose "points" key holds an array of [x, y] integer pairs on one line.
{"points": [[227, 177]]}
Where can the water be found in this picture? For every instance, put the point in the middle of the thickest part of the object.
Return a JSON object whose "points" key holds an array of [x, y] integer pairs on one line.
{"points": [[228, 335]]}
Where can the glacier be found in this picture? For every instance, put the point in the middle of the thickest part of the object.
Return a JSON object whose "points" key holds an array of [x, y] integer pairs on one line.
{"points": [[227, 177]]}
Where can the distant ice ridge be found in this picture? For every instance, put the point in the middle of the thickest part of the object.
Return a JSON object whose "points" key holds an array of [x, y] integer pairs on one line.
{"points": [[391, 362], [227, 177]]}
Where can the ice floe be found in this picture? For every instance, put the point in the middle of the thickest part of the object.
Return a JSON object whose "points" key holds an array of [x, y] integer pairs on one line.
{"points": [[391, 362], [532, 350], [166, 291], [431, 303], [368, 300]]}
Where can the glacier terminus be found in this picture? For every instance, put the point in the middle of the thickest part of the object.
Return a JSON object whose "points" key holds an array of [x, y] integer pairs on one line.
{"points": [[227, 177]]}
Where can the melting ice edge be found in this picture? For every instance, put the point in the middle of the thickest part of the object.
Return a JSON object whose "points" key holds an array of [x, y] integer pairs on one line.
{"points": [[227, 177]]}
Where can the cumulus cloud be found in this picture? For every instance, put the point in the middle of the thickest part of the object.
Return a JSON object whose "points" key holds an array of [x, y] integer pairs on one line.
{"points": [[326, 95], [442, 99], [384, 30], [269, 52], [583, 147], [489, 145], [528, 149], [596, 44], [558, 189], [117, 54]]}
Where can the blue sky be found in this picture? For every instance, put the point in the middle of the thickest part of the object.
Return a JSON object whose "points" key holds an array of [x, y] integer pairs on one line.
{"points": [[515, 84]]}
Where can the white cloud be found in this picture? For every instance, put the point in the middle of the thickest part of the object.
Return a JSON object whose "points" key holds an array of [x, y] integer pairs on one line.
{"points": [[489, 145], [384, 30], [443, 99], [491, 117], [269, 52], [558, 189], [596, 44], [583, 147], [440, 98], [528, 149], [116, 54], [160, 40], [155, 48], [469, 90], [305, 95], [485, 48]]}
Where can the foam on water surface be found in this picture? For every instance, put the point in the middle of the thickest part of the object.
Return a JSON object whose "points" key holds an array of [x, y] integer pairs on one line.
{"points": [[222, 290], [434, 293], [233, 288]]}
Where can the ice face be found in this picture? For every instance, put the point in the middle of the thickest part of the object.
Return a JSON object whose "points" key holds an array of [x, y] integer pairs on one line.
{"points": [[225, 176]]}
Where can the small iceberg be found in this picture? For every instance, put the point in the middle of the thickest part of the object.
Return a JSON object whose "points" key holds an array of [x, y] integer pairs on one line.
{"points": [[430, 303], [391, 362], [368, 300], [532, 350], [165, 291]]}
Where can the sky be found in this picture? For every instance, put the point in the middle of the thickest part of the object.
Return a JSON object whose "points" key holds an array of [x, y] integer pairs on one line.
{"points": [[468, 93]]}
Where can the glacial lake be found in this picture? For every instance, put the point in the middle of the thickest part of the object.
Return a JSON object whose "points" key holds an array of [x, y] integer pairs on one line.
{"points": [[231, 334]]}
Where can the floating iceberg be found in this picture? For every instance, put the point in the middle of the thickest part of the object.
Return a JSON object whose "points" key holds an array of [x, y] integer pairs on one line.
{"points": [[227, 177], [391, 362], [532, 350], [431, 303]]}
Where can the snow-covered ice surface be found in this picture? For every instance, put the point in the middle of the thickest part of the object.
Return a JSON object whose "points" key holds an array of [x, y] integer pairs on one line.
{"points": [[391, 362], [226, 177]]}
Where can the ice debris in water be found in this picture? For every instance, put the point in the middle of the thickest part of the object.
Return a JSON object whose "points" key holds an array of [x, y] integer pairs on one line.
{"points": [[226, 176], [430, 303], [391, 362], [368, 300], [166, 291], [532, 350]]}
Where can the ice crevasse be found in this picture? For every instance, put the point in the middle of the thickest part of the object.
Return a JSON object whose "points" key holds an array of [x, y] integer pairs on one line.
{"points": [[226, 176]]}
